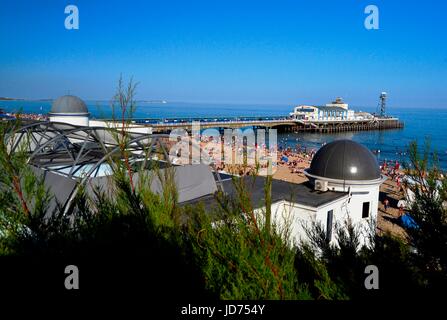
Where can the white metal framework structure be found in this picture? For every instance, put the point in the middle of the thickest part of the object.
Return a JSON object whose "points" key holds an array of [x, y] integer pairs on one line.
{"points": [[69, 156], [68, 149], [82, 153]]}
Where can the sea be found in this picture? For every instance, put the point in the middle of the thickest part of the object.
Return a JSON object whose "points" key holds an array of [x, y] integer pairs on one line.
{"points": [[421, 124]]}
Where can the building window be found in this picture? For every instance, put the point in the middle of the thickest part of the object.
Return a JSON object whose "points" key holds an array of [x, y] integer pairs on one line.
{"points": [[330, 218], [365, 210]]}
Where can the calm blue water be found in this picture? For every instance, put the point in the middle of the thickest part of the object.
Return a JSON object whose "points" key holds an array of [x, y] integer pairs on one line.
{"points": [[420, 124]]}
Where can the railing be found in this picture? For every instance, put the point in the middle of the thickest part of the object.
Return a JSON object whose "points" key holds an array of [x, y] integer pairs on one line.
{"points": [[208, 121], [223, 122], [202, 119]]}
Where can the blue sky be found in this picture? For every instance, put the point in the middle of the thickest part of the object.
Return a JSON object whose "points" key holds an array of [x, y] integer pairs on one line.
{"points": [[284, 52]]}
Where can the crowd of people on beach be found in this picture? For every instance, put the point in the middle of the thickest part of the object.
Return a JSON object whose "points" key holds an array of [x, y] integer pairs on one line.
{"points": [[295, 159], [235, 156], [392, 169]]}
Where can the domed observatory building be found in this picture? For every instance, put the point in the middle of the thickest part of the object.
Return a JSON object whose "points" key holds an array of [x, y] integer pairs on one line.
{"points": [[349, 167], [69, 109]]}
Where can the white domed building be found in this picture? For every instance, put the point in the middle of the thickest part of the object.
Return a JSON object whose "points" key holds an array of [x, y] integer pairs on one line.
{"points": [[69, 109], [73, 110], [347, 166], [344, 183]]}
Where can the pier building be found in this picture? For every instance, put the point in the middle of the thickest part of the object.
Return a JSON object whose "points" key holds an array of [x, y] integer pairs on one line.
{"points": [[336, 110]]}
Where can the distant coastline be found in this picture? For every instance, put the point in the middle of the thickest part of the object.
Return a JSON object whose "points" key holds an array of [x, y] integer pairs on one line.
{"points": [[51, 99], [152, 101], [22, 99], [10, 99]]}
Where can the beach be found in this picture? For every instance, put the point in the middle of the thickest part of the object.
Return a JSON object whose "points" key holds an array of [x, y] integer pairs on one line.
{"points": [[387, 220]]}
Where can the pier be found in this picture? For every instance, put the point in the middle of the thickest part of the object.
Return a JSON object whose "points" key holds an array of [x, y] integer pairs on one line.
{"points": [[282, 124]]}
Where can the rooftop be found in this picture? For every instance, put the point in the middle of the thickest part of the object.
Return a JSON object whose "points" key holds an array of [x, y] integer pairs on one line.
{"points": [[303, 194], [345, 160], [330, 108]]}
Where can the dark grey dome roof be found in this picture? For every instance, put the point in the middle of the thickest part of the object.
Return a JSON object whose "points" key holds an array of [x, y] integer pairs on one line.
{"points": [[69, 104], [345, 160]]}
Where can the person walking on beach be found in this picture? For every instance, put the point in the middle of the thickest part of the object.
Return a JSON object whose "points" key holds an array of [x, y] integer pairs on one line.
{"points": [[386, 204]]}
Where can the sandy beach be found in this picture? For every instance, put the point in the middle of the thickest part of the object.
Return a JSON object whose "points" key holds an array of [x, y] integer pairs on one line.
{"points": [[387, 219]]}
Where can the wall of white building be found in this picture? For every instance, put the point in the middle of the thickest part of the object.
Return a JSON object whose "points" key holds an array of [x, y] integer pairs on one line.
{"points": [[295, 218], [320, 114], [131, 127], [71, 119], [361, 193]]}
